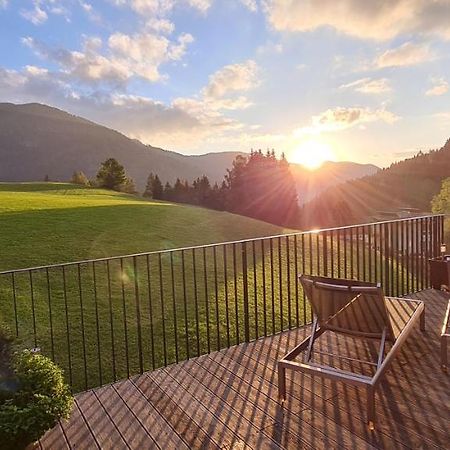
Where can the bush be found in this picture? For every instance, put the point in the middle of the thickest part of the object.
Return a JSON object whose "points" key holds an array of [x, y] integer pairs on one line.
{"points": [[40, 398]]}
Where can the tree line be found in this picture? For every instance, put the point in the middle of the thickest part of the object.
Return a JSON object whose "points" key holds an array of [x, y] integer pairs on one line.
{"points": [[258, 185]]}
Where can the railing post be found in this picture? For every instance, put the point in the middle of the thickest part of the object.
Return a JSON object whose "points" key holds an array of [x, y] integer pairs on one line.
{"points": [[245, 290], [386, 259]]}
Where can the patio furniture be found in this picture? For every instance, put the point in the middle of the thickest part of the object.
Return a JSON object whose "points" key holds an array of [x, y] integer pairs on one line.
{"points": [[445, 336], [440, 272], [357, 309]]}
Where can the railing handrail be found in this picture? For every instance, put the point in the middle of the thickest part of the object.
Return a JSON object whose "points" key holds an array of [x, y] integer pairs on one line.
{"points": [[217, 244]]}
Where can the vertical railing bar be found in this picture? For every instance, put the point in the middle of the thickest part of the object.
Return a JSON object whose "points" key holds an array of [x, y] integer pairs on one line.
{"points": [[138, 314], [296, 274], [325, 252], [255, 288], [397, 259], [421, 253], [402, 253], [263, 261], [318, 252], [216, 294], [163, 309], [358, 254], [69, 353], [280, 284], [386, 259], [16, 317], [407, 253], [205, 281], [365, 232], [82, 326], [50, 314], [338, 238], [225, 276], [303, 272], [345, 254], [375, 253], [99, 356], [174, 306], [245, 292], [111, 319], [391, 256], [369, 250], [271, 284], [352, 245], [332, 253], [33, 307], [185, 306], [288, 281], [417, 255], [124, 310], [236, 305]]}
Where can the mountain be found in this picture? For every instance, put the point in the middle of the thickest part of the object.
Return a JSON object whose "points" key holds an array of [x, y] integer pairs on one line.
{"points": [[38, 140], [311, 183], [408, 185]]}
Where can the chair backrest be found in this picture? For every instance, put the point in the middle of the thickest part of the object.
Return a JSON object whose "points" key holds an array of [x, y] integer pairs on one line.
{"points": [[348, 306]]}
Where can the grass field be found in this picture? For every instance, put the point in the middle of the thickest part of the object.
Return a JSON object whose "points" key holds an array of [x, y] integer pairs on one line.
{"points": [[105, 320], [46, 223]]}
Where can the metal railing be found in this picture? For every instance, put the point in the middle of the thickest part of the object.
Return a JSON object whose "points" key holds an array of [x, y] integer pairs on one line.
{"points": [[110, 318]]}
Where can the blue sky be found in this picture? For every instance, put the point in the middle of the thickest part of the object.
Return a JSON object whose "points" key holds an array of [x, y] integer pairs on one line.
{"points": [[344, 80]]}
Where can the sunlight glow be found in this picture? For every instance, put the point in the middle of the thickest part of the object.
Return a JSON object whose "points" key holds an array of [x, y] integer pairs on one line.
{"points": [[312, 154]]}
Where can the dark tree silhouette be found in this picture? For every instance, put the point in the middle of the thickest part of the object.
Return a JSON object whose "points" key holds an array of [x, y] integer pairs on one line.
{"points": [[111, 175]]}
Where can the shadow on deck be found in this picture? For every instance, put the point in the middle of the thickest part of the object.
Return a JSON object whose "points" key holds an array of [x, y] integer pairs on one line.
{"points": [[229, 400]]}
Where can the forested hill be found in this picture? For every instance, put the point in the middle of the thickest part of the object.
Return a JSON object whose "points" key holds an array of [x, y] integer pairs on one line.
{"points": [[409, 183], [38, 140]]}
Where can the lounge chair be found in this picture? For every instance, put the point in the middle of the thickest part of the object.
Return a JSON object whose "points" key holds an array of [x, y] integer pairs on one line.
{"points": [[358, 309]]}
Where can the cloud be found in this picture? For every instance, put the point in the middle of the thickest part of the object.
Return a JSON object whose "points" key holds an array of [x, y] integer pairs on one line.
{"points": [[160, 8], [251, 5], [369, 86], [232, 78], [408, 54], [161, 26], [3, 4], [440, 87], [125, 56], [342, 118], [377, 19], [36, 15]]}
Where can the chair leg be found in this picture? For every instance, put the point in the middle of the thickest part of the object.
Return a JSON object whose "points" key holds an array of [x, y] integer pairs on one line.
{"points": [[422, 320], [281, 382], [371, 408]]}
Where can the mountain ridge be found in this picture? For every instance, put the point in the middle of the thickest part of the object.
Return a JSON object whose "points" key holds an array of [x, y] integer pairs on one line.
{"points": [[39, 140]]}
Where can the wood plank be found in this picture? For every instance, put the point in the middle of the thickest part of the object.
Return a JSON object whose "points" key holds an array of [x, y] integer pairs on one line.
{"points": [[99, 422], [54, 439], [153, 422], [129, 427]]}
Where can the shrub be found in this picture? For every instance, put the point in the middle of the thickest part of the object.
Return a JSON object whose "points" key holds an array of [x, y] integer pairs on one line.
{"points": [[39, 399]]}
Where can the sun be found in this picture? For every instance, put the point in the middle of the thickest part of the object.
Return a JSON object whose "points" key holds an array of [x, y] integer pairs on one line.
{"points": [[312, 154]]}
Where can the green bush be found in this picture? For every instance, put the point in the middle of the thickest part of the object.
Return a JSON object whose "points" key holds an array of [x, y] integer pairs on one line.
{"points": [[40, 397]]}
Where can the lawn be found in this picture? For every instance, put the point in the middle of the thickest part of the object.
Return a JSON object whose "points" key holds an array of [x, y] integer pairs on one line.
{"points": [[105, 320]]}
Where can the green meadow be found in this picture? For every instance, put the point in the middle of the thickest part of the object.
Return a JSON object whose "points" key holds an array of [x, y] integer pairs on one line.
{"points": [[105, 320]]}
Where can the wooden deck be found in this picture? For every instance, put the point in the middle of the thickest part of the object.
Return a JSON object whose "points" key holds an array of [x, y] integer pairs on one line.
{"points": [[228, 400]]}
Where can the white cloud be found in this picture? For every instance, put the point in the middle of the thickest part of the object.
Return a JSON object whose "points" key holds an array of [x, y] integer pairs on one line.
{"points": [[408, 54], [232, 78], [124, 56], [160, 8], [369, 86], [36, 15], [375, 19], [440, 87], [250, 4], [338, 119], [160, 26], [3, 3]]}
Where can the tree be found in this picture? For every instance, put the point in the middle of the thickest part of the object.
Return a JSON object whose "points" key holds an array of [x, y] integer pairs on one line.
{"points": [[79, 177], [441, 205], [154, 187], [111, 175], [128, 186]]}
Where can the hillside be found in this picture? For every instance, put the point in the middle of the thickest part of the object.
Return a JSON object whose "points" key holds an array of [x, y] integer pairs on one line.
{"points": [[411, 183], [38, 140], [44, 223]]}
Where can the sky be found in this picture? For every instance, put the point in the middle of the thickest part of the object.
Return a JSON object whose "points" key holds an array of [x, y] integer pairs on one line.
{"points": [[365, 81]]}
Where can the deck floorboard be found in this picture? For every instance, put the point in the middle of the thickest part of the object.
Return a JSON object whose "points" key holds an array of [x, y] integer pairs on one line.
{"points": [[228, 400]]}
